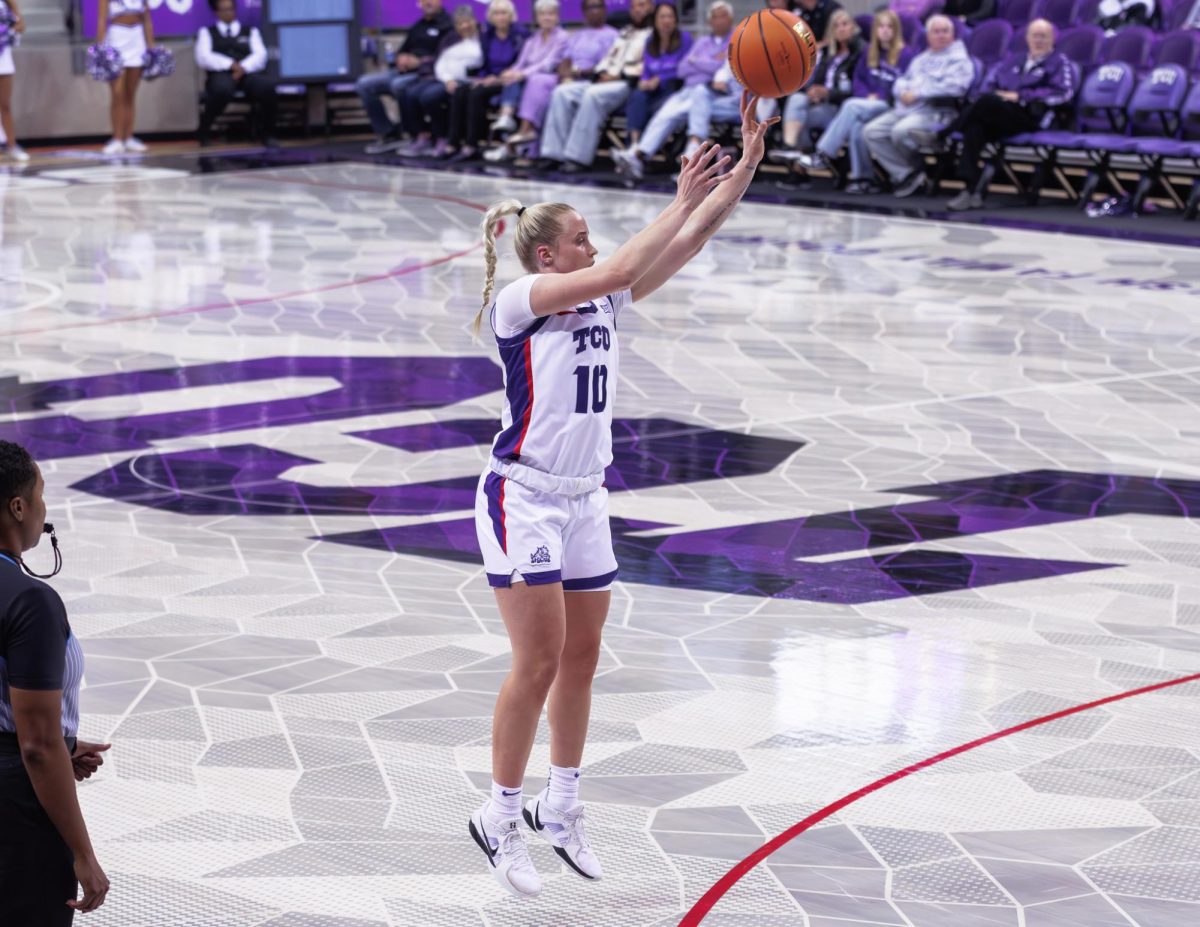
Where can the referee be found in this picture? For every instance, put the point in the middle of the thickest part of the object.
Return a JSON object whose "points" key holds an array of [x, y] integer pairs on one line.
{"points": [[45, 853]]}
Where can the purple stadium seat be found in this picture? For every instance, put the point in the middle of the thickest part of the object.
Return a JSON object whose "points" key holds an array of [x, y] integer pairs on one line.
{"points": [[1105, 96], [910, 28], [865, 22], [1181, 48], [1017, 12], [1173, 14], [1088, 12], [1062, 13], [1131, 45], [1017, 44], [1190, 113], [1156, 103], [989, 41], [921, 9], [1082, 45]]}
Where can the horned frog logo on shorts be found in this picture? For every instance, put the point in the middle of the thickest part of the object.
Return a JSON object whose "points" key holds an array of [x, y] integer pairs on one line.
{"points": [[541, 555]]}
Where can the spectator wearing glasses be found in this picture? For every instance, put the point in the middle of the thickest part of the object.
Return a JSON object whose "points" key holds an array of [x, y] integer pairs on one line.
{"points": [[1021, 94]]}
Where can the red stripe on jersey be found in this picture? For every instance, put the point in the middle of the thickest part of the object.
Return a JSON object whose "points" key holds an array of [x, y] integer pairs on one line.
{"points": [[503, 520]]}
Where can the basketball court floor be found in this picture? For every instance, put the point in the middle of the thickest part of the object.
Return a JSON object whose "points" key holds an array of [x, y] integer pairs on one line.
{"points": [[883, 488]]}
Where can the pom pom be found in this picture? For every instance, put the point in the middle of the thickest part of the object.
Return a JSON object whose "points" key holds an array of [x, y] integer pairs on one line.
{"points": [[160, 62], [104, 63]]}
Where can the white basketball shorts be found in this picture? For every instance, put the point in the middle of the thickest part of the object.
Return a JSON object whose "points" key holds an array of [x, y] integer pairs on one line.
{"points": [[540, 537]]}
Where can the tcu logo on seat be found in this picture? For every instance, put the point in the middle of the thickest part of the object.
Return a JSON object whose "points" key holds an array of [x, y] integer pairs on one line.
{"points": [[1166, 76], [1111, 73]]}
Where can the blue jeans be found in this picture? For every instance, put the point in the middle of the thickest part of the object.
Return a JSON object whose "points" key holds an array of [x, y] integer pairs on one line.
{"points": [[370, 87], [511, 95], [643, 104], [846, 131]]}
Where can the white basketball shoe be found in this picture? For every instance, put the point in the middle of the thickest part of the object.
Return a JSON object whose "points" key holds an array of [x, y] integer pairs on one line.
{"points": [[504, 844], [564, 831]]}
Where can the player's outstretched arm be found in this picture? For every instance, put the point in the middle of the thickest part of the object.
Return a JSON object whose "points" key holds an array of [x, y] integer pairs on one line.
{"points": [[712, 213], [699, 177]]}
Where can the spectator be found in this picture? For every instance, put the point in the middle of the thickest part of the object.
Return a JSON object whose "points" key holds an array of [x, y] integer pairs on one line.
{"points": [[697, 71], [816, 13], [1021, 94], [541, 54], [832, 82], [45, 851], [1116, 14], [427, 101], [125, 25], [502, 41], [234, 57], [666, 49], [10, 12], [788, 5], [585, 48], [578, 110], [885, 59], [972, 12], [420, 46], [925, 97]]}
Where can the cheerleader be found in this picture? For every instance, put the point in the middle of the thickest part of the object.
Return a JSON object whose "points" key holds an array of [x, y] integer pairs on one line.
{"points": [[125, 25], [10, 16], [541, 513]]}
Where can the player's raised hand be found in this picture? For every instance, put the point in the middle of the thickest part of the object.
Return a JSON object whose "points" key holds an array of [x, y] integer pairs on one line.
{"points": [[754, 133], [700, 174]]}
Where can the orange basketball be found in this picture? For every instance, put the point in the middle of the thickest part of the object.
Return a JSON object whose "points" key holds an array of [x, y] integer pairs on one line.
{"points": [[772, 53]]}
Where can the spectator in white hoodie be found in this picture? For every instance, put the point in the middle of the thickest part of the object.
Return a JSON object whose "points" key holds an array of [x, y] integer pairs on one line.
{"points": [[925, 98]]}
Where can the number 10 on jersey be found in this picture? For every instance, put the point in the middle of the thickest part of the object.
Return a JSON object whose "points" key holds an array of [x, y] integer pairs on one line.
{"points": [[593, 380]]}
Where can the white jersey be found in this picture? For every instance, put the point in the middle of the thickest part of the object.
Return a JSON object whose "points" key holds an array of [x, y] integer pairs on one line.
{"points": [[560, 377]]}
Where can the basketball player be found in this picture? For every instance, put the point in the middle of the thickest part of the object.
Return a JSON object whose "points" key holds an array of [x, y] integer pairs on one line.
{"points": [[541, 512]]}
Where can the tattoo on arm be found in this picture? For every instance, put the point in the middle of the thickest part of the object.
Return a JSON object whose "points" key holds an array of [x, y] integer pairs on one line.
{"points": [[715, 220]]}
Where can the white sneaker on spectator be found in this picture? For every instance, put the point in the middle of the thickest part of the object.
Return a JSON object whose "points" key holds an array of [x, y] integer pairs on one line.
{"points": [[691, 148], [498, 154], [564, 831], [504, 844], [784, 155], [916, 182], [135, 145], [627, 163], [114, 147], [384, 145], [504, 123], [814, 161], [17, 153]]}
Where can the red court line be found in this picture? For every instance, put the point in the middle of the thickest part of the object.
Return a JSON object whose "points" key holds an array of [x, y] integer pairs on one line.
{"points": [[731, 878], [292, 294]]}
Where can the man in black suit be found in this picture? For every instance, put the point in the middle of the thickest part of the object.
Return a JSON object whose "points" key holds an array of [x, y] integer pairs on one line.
{"points": [[235, 58]]}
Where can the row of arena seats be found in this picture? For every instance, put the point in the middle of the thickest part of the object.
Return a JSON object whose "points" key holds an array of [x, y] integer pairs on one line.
{"points": [[1169, 14]]}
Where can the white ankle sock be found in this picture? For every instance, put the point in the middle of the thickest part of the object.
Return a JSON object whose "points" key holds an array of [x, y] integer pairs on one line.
{"points": [[506, 802], [563, 793]]}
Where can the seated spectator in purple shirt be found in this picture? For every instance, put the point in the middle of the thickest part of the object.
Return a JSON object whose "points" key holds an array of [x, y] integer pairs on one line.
{"points": [[1021, 94], [884, 60], [696, 71], [541, 54], [666, 48], [501, 43], [585, 49]]}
